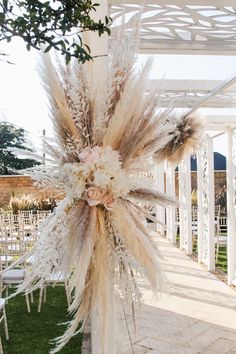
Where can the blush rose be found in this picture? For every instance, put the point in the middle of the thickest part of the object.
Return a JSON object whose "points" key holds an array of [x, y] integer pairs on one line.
{"points": [[108, 201], [94, 195]]}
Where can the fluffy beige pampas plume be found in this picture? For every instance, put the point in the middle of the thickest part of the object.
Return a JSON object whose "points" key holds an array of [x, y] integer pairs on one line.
{"points": [[185, 136]]}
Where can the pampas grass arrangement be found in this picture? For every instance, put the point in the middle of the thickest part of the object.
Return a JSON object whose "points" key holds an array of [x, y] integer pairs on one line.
{"points": [[101, 162]]}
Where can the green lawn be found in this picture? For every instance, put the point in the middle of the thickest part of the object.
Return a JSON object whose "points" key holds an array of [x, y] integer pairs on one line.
{"points": [[30, 333], [222, 258]]}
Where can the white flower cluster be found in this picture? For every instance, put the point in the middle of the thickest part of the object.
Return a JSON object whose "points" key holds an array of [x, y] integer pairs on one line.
{"points": [[99, 167]]}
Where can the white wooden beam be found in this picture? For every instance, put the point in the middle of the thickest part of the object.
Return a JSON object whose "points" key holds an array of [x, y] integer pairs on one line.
{"points": [[206, 204], [188, 85], [187, 93], [187, 47], [160, 211], [170, 210], [218, 127], [200, 233], [219, 88], [218, 3], [211, 206], [231, 226], [185, 207]]}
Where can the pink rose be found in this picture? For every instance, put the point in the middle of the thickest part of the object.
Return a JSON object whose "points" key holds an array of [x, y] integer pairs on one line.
{"points": [[108, 201], [89, 154], [94, 195]]}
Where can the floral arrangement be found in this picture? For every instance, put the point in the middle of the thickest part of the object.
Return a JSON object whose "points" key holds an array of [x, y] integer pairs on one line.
{"points": [[105, 146], [98, 178]]}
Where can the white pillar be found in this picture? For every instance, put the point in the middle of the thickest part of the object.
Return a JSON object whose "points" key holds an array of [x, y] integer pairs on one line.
{"points": [[170, 210], [98, 72], [98, 67], [206, 205], [160, 211], [231, 227], [199, 208], [185, 207]]}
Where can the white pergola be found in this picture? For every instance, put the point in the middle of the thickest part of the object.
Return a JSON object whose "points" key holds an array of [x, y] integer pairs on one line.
{"points": [[177, 26], [193, 27], [188, 27]]}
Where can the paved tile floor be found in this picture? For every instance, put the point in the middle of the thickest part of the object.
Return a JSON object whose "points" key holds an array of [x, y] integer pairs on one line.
{"points": [[196, 315]]}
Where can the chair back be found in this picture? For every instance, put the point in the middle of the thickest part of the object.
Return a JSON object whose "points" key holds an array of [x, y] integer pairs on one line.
{"points": [[223, 229]]}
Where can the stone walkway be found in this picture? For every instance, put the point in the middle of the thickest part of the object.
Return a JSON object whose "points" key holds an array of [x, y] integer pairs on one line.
{"points": [[196, 315]]}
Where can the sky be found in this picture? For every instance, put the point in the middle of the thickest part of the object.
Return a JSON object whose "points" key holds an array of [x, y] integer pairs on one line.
{"points": [[23, 101]]}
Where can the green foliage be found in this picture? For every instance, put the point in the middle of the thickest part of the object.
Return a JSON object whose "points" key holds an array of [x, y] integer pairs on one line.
{"points": [[30, 333], [54, 24], [13, 137]]}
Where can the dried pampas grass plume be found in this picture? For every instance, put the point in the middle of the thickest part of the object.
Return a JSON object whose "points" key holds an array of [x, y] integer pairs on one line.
{"points": [[185, 138], [105, 143]]}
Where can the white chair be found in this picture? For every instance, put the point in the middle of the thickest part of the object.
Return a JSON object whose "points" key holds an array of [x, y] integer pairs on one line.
{"points": [[42, 215], [12, 278], [217, 218], [194, 223], [221, 234], [3, 318], [177, 220], [6, 260], [55, 279]]}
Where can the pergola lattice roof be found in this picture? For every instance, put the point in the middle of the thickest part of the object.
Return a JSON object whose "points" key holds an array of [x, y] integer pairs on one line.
{"points": [[194, 27], [183, 27], [180, 27], [187, 93]]}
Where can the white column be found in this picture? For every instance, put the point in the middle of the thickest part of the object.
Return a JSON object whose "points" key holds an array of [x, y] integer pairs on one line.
{"points": [[185, 207], [98, 72], [231, 228], [211, 206], [206, 205], [160, 211], [199, 208], [170, 210], [98, 67]]}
